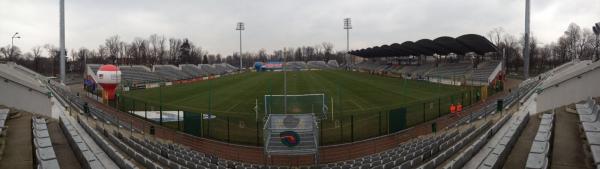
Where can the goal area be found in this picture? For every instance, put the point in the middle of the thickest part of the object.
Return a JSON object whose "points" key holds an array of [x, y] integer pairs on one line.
{"points": [[315, 104]]}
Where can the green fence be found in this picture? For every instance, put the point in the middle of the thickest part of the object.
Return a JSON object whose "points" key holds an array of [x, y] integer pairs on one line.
{"points": [[338, 129]]}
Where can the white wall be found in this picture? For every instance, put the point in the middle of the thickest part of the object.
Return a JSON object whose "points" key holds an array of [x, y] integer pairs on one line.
{"points": [[20, 97], [570, 91]]}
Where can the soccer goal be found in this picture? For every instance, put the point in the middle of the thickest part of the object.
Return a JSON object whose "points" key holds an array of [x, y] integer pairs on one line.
{"points": [[296, 104]]}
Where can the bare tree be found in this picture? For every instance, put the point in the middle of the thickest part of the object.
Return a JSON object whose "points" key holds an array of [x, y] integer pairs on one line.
{"points": [[573, 37], [327, 49], [157, 48], [113, 47], [37, 51], [174, 45], [587, 44], [495, 35]]}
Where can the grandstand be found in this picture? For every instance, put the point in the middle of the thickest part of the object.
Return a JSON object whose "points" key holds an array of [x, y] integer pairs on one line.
{"points": [[447, 73], [208, 69], [317, 65], [166, 102], [299, 65], [483, 138], [536, 121], [192, 70], [423, 60], [136, 75], [296, 65], [170, 72], [333, 63]]}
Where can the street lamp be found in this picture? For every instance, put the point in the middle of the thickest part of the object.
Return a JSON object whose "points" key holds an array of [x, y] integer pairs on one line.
{"points": [[596, 29], [347, 26], [240, 27], [12, 43]]}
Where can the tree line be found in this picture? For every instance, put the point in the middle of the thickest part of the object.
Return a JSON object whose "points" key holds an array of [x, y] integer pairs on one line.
{"points": [[155, 50], [576, 42]]}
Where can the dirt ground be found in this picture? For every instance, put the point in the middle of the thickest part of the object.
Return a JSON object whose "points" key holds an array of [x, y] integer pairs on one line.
{"points": [[64, 154], [18, 152]]}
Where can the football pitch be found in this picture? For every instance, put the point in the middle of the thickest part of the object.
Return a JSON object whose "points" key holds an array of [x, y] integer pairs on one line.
{"points": [[357, 102]]}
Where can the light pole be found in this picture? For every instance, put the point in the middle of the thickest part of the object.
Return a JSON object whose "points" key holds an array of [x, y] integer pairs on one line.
{"points": [[240, 27], [284, 82], [526, 42], [62, 41], [12, 43], [596, 29], [347, 26]]}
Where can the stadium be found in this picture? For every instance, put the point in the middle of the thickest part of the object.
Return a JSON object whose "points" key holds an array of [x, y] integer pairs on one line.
{"points": [[432, 102]]}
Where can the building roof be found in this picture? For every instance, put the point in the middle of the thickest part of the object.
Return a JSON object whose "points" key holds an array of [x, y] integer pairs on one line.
{"points": [[11, 72], [442, 45]]}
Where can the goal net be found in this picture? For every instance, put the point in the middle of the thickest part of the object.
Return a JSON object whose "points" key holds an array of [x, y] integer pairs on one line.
{"points": [[296, 104], [291, 134]]}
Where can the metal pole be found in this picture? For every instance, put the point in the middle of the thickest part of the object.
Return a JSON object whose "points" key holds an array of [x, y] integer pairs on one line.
{"points": [[352, 128], [348, 44], [160, 102], [209, 107], [526, 43], [348, 26], [228, 138], [62, 41], [240, 27], [12, 43], [257, 134], [241, 51], [284, 83]]}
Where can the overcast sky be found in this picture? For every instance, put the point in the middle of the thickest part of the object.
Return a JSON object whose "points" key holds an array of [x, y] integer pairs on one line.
{"points": [[274, 24]]}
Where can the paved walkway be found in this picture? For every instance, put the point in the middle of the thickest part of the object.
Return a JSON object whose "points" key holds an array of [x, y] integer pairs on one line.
{"points": [[18, 152]]}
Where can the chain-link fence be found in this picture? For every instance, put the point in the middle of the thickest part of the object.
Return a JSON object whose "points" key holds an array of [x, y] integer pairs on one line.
{"points": [[246, 128]]}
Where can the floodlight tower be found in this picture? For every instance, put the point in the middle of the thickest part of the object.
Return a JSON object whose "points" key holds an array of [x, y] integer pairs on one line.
{"points": [[526, 42], [596, 29], [347, 26], [284, 82], [62, 41], [240, 27]]}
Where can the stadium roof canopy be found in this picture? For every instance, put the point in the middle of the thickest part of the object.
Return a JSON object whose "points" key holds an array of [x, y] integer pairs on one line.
{"points": [[443, 45]]}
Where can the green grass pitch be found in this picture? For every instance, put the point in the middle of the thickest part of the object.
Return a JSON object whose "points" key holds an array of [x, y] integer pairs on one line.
{"points": [[366, 97]]}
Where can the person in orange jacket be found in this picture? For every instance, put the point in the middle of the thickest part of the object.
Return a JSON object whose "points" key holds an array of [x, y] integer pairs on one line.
{"points": [[453, 109]]}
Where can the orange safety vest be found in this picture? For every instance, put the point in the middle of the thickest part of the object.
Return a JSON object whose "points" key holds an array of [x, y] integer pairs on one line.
{"points": [[459, 108], [452, 108]]}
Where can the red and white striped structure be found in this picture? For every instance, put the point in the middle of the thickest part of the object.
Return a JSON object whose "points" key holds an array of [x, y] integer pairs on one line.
{"points": [[109, 77]]}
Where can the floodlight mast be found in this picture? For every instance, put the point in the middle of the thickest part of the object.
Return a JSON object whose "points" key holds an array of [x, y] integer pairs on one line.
{"points": [[62, 41], [526, 42], [348, 26], [284, 82], [240, 27]]}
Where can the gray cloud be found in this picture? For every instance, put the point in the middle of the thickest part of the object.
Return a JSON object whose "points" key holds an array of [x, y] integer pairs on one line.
{"points": [[273, 24]]}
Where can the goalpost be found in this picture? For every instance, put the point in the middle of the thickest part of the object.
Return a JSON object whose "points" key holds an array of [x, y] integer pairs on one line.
{"points": [[296, 104], [291, 126]]}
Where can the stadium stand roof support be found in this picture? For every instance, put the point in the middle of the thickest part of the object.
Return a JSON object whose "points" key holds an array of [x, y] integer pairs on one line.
{"points": [[442, 45]]}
